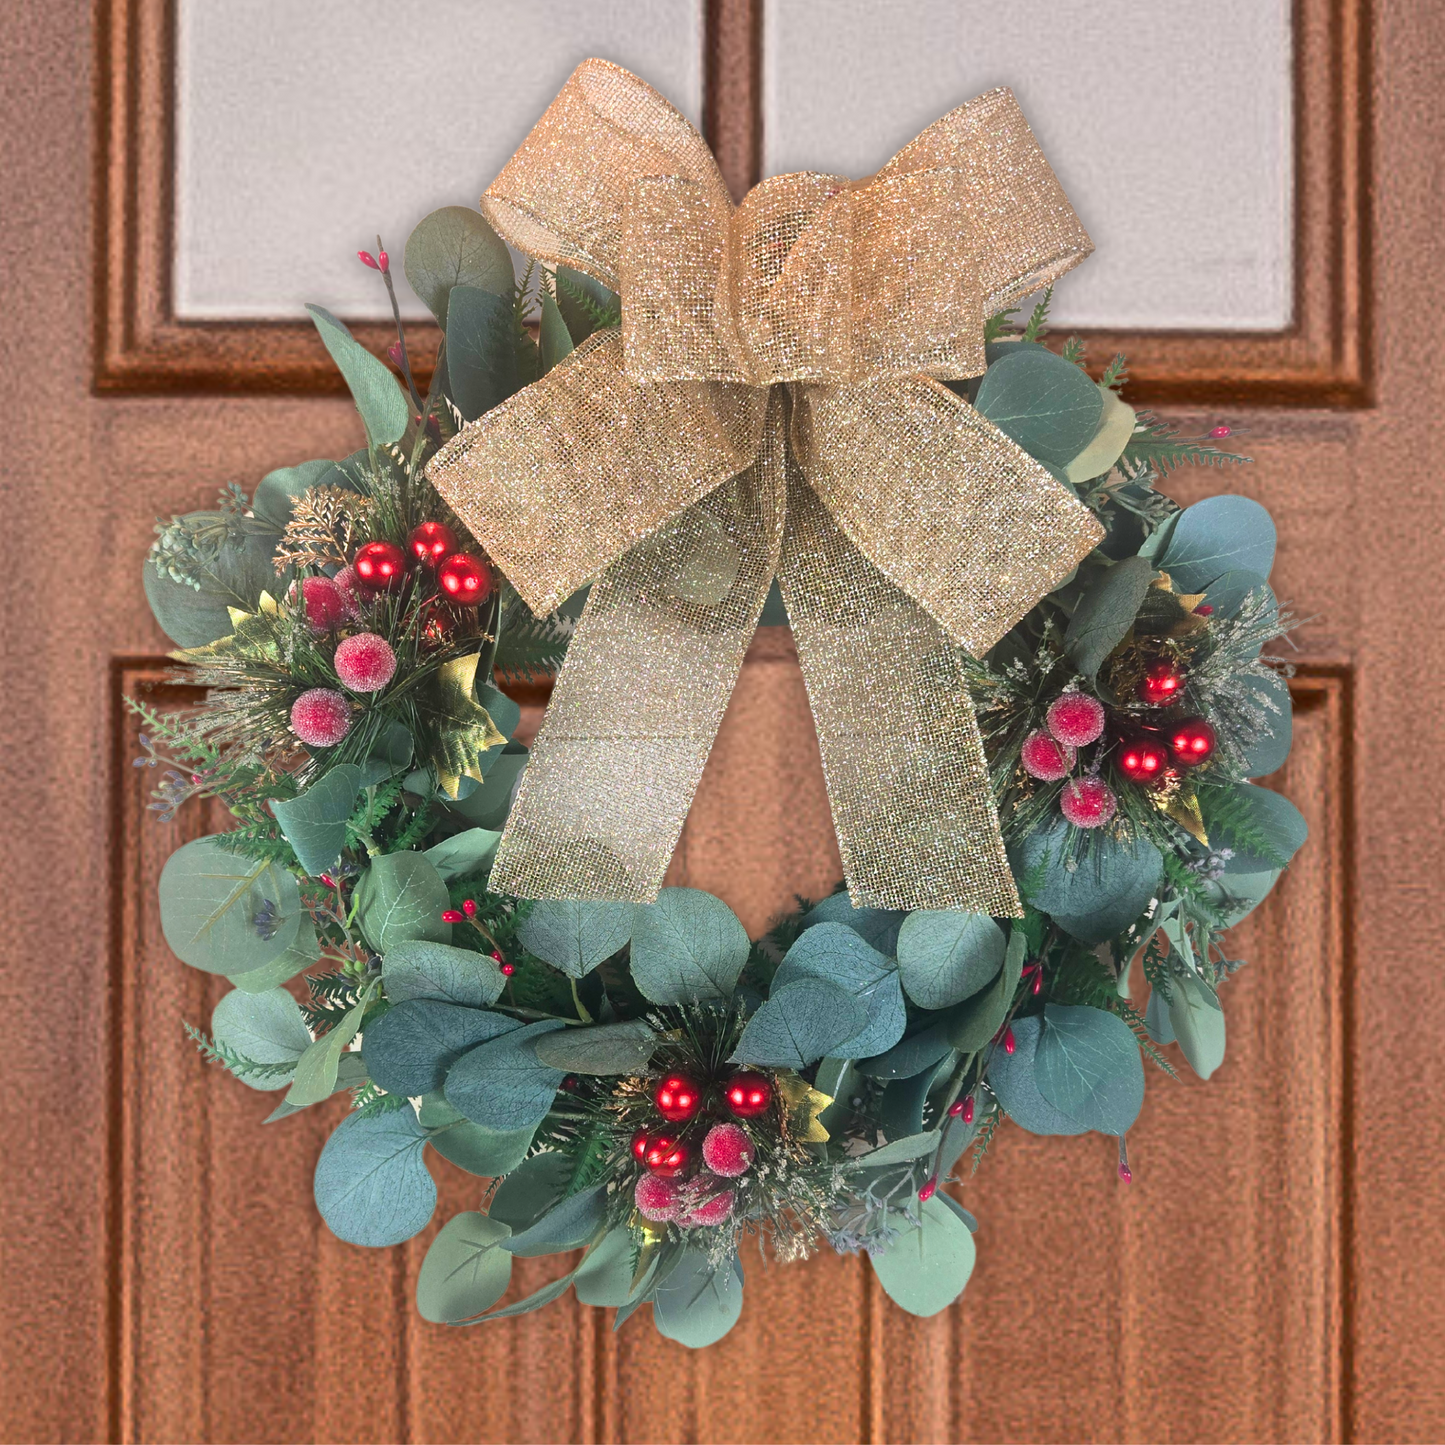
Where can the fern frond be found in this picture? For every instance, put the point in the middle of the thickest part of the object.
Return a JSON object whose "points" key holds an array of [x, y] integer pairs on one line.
{"points": [[1158, 444], [1116, 373], [1229, 820], [1035, 326], [1074, 350], [238, 1063], [997, 325]]}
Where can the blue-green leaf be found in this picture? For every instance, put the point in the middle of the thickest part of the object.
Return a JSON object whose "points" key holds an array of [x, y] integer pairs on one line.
{"points": [[372, 1186], [696, 1305], [553, 336], [837, 954], [620, 1048], [465, 1271], [575, 935], [878, 926], [277, 492], [1012, 1078], [528, 1192], [481, 350], [567, 1225], [417, 969], [488, 1153], [1270, 749], [454, 246], [379, 398], [464, 853], [267, 1027], [400, 897], [800, 1023], [1047, 405], [1198, 1023], [409, 1049], [604, 1277], [1218, 535], [1087, 1064], [314, 821], [927, 1267], [686, 946], [946, 956], [1109, 889], [503, 1084], [1106, 612]]}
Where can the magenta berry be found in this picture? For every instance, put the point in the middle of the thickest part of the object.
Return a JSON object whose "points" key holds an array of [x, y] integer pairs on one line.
{"points": [[727, 1150], [929, 1189], [1088, 802], [1076, 719], [657, 1199], [321, 717], [365, 663], [1045, 758], [714, 1204], [325, 603]]}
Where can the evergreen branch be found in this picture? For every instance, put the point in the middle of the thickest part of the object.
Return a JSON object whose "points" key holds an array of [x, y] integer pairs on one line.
{"points": [[1035, 326], [1116, 374], [1228, 817], [603, 318], [215, 1052], [1158, 444], [1074, 350], [997, 325]]}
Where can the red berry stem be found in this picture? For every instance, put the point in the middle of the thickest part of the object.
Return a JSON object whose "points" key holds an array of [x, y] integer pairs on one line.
{"points": [[416, 400]]}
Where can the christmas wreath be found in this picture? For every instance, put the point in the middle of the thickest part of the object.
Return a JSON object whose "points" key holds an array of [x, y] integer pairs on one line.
{"points": [[635, 1077]]}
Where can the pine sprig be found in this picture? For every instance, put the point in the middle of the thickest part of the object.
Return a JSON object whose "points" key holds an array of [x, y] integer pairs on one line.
{"points": [[603, 318], [215, 1052], [1159, 444], [1035, 327], [1116, 374], [1228, 819]]}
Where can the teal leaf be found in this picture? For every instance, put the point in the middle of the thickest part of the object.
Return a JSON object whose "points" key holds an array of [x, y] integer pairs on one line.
{"points": [[409, 1049], [417, 969], [1011, 1077], [800, 1023], [1109, 889], [696, 1305], [224, 913], [314, 821], [1198, 1023], [277, 492], [920, 1050], [899, 1151], [620, 1048], [567, 1225], [838, 954], [241, 571], [402, 897], [503, 1084], [1218, 535], [319, 1067], [465, 1271], [556, 340], [481, 350], [604, 1277], [927, 1267], [372, 1186], [267, 1027], [282, 969], [1087, 1064], [1230, 590], [1268, 752], [946, 956], [539, 1299], [528, 1192], [878, 926], [463, 854], [489, 804], [970, 1025], [379, 398], [575, 935], [686, 946], [455, 246], [487, 1153], [1263, 827], [1047, 405], [1106, 612], [391, 754]]}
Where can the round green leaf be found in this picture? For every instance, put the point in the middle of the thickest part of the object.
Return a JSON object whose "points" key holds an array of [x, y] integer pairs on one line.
{"points": [[971, 1024], [372, 1186], [503, 1084], [277, 492], [1218, 535], [697, 1305], [529, 1191], [481, 350], [947, 956], [926, 1268], [1047, 405], [1109, 889], [488, 1153], [416, 969], [686, 946], [314, 821], [299, 957], [567, 1225], [1270, 749], [400, 897], [605, 1275], [575, 935], [839, 954], [463, 853], [454, 246], [409, 1049], [1198, 1023], [465, 1271], [1087, 1064], [267, 1027], [878, 926], [620, 1048], [800, 1023], [1011, 1077], [224, 913]]}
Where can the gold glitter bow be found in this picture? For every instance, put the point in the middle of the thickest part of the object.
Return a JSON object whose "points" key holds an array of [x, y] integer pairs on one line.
{"points": [[772, 405]]}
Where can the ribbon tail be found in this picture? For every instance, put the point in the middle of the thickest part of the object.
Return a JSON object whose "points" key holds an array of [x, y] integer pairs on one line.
{"points": [[907, 779], [642, 693]]}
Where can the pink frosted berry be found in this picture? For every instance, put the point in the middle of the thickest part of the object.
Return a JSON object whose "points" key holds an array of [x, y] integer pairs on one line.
{"points": [[727, 1150], [1088, 802], [658, 1199], [349, 585], [1076, 719], [365, 663], [321, 717], [325, 603], [713, 1203], [1045, 759]]}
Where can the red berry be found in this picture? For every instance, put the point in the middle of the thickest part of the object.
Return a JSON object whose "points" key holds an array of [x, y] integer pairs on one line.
{"points": [[1192, 742], [570, 1084], [1076, 719], [464, 581], [639, 1145], [713, 1204], [508, 969], [1126, 1174], [365, 662], [450, 915], [727, 1150], [1044, 758], [657, 1199], [957, 1107], [321, 717], [666, 1155], [677, 1098], [1088, 802], [469, 907], [380, 566], [1161, 684], [1009, 1042], [325, 603], [968, 1110], [348, 583], [429, 542], [931, 1187], [749, 1094], [1143, 760]]}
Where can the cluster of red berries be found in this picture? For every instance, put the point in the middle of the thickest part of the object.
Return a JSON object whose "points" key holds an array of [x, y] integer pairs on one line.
{"points": [[669, 1189], [462, 579]]}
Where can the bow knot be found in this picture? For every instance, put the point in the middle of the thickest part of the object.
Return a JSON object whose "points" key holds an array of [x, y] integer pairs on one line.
{"points": [[772, 406]]}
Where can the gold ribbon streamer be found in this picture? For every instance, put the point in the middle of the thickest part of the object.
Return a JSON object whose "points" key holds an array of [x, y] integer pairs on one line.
{"points": [[771, 406]]}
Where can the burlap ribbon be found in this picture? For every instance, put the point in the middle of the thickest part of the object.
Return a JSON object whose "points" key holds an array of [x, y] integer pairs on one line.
{"points": [[771, 406]]}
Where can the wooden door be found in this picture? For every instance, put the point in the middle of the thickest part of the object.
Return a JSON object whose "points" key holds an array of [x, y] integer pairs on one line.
{"points": [[1276, 1271]]}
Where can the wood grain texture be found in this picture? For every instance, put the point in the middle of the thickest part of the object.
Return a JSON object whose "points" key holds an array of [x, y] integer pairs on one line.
{"points": [[1323, 358]]}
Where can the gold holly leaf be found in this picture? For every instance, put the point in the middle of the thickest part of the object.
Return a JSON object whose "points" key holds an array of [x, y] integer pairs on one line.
{"points": [[804, 1105], [254, 636], [465, 729], [1180, 804]]}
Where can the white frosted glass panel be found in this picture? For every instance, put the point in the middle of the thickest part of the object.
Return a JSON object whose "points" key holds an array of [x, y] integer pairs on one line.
{"points": [[304, 127], [1169, 125]]}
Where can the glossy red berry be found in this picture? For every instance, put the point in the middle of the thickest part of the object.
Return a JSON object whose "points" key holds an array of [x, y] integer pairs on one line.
{"points": [[463, 581], [666, 1156], [1143, 760], [677, 1098], [1192, 742], [381, 566], [450, 915], [639, 1145], [1161, 684], [430, 542], [749, 1094]]}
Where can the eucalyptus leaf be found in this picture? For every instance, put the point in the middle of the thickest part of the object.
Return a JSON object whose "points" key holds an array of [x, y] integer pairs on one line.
{"points": [[465, 1271], [379, 398], [314, 821], [277, 492], [225, 913], [1268, 752], [554, 338], [1106, 612], [489, 804], [686, 946], [409, 1049], [696, 1305], [837, 954], [1012, 1078], [604, 1277], [481, 350], [320, 1066], [299, 957], [488, 1153], [572, 1222], [1087, 1064], [900, 1115], [502, 1083], [972, 1024], [927, 1267], [537, 1300], [878, 926], [1198, 1023], [454, 246], [529, 1191], [918, 1051], [575, 935], [1116, 426], [417, 969], [620, 1048], [946, 956], [239, 573], [372, 1186], [898, 1151], [1229, 592], [1047, 405], [1263, 827], [401, 897], [1218, 535], [267, 1027], [1109, 889], [800, 1023], [463, 854]]}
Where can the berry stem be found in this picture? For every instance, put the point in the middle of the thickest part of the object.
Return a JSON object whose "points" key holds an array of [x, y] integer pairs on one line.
{"points": [[416, 400]]}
